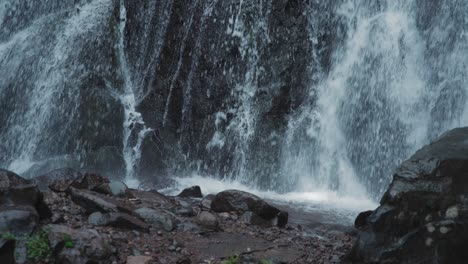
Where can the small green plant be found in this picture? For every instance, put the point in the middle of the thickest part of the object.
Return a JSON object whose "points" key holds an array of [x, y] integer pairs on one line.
{"points": [[68, 241], [38, 248], [232, 260], [265, 261], [8, 236]]}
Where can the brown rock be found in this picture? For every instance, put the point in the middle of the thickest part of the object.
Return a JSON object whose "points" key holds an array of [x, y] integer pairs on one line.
{"points": [[139, 260]]}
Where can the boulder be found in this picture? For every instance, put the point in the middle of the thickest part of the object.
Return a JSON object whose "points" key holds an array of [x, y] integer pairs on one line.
{"points": [[206, 202], [156, 218], [361, 220], [242, 202], [423, 216], [114, 188], [118, 220], [192, 192], [152, 199], [253, 219], [18, 220], [58, 180], [78, 245], [189, 227], [208, 220], [282, 219], [90, 181], [21, 204], [186, 211], [95, 202], [97, 219]]}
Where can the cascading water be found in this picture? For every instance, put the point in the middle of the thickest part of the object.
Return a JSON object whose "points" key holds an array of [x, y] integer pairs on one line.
{"points": [[39, 62], [279, 95], [242, 128], [374, 107], [134, 128]]}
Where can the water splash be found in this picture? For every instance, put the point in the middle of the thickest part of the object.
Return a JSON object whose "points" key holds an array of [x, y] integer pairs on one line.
{"points": [[324, 199]]}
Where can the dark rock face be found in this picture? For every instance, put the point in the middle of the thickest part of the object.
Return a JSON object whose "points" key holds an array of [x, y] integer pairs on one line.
{"points": [[242, 202], [422, 216], [191, 192]]}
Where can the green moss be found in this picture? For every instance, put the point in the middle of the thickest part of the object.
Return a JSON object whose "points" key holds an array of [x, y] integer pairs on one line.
{"points": [[68, 242], [8, 236], [232, 260], [265, 261], [38, 248]]}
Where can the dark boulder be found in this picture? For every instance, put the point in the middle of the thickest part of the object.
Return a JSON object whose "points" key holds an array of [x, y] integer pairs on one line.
{"points": [[58, 180], [242, 202], [118, 220], [206, 202], [21, 204], [423, 216], [90, 181], [18, 220], [114, 188], [253, 219], [157, 218], [84, 245], [152, 199], [192, 192], [282, 219], [95, 202], [361, 220], [208, 220], [186, 211]]}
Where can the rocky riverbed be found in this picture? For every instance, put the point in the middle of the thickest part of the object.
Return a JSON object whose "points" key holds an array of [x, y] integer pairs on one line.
{"points": [[66, 216]]}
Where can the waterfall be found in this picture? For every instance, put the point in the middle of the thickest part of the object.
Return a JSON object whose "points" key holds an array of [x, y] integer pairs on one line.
{"points": [[374, 107], [276, 95], [134, 128], [38, 64]]}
